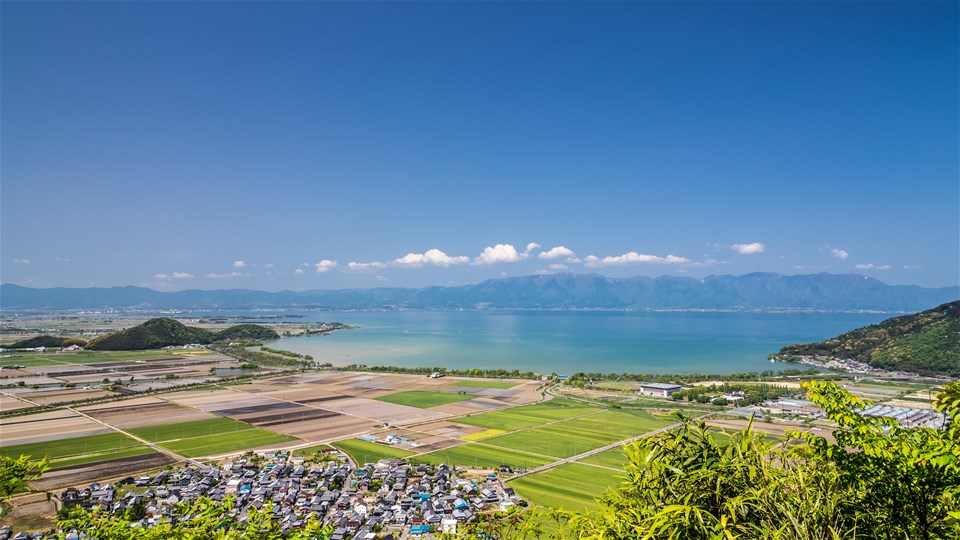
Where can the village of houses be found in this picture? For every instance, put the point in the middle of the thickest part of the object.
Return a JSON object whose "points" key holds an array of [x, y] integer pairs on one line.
{"points": [[388, 499]]}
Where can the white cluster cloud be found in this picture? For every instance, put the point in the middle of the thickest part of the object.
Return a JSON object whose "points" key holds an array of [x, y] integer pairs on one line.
{"points": [[871, 266], [558, 267], [556, 253], [225, 276], [325, 266], [22, 261], [633, 257], [433, 257], [500, 253], [748, 249], [364, 267], [239, 264], [175, 275], [840, 254], [298, 271]]}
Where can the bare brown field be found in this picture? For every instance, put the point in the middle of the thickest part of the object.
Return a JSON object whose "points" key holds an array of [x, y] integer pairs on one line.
{"points": [[470, 406], [450, 430], [114, 468], [61, 395], [30, 513], [383, 412], [48, 426], [11, 403], [145, 411], [325, 429]]}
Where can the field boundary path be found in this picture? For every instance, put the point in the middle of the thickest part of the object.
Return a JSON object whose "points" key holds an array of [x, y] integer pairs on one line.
{"points": [[611, 446]]}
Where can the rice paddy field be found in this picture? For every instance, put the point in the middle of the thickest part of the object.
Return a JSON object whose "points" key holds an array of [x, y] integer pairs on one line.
{"points": [[423, 399], [53, 358], [615, 458], [79, 450], [368, 452], [209, 437], [479, 455], [572, 486]]}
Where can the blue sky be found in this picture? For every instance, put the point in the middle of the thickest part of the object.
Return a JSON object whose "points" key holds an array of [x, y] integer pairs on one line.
{"points": [[300, 145]]}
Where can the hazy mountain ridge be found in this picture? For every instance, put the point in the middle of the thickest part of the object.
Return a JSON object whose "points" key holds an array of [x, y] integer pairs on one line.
{"points": [[561, 291]]}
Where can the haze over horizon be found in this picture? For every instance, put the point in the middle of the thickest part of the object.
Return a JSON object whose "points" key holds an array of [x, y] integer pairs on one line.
{"points": [[304, 145]]}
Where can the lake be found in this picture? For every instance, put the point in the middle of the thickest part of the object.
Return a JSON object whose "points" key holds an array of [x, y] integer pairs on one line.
{"points": [[568, 342]]}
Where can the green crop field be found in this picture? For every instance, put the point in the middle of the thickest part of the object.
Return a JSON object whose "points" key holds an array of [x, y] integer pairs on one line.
{"points": [[578, 435], [368, 452], [528, 415], [208, 437], [71, 447], [77, 450], [186, 430], [573, 486], [34, 359], [29, 360], [615, 458], [485, 384], [480, 455], [422, 399], [59, 463], [226, 442], [309, 451]]}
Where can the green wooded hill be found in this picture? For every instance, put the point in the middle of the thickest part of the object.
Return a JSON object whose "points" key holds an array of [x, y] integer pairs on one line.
{"points": [[163, 332], [247, 331], [47, 341], [927, 342]]}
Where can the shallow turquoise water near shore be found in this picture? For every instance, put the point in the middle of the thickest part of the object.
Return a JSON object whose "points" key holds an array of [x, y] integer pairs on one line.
{"points": [[568, 342]]}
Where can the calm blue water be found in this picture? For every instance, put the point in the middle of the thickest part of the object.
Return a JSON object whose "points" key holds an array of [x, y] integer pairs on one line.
{"points": [[567, 342]]}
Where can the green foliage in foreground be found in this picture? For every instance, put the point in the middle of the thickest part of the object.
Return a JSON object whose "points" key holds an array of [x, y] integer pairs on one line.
{"points": [[16, 472], [924, 342]]}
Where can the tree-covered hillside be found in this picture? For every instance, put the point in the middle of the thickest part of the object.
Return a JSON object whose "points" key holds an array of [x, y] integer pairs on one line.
{"points": [[47, 341], [153, 334], [927, 342], [247, 331], [163, 332]]}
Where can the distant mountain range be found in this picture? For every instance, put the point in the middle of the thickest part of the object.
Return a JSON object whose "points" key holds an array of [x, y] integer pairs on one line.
{"points": [[561, 291]]}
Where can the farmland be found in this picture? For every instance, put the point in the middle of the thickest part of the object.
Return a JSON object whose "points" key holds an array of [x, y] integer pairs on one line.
{"points": [[614, 458], [572, 486], [35, 359], [423, 399], [481, 455], [209, 437], [368, 452], [484, 384], [79, 450]]}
